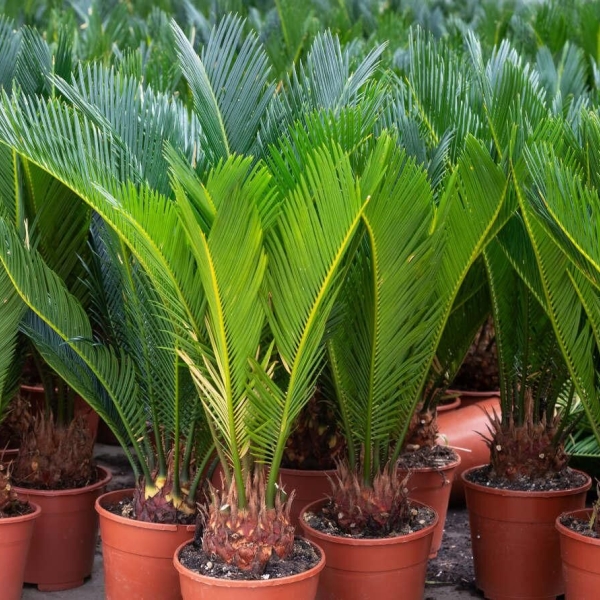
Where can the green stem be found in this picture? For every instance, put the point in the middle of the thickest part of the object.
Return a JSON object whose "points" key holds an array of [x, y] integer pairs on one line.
{"points": [[177, 432], [184, 474]]}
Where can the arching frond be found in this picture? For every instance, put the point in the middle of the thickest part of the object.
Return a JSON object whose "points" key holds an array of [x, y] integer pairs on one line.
{"points": [[229, 85], [306, 248]]}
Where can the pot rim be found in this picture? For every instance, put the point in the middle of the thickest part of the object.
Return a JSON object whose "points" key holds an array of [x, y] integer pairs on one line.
{"points": [[568, 532], [454, 405], [105, 477], [474, 394], [252, 583], [122, 493], [365, 542], [522, 493], [453, 465], [306, 472], [37, 511]]}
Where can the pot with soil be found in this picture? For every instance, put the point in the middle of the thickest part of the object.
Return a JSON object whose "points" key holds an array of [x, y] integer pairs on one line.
{"points": [[54, 469], [138, 555], [580, 552], [17, 521], [360, 567], [295, 578], [516, 550], [431, 472]]}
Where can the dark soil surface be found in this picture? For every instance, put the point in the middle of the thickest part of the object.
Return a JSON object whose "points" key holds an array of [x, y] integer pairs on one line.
{"points": [[125, 508], [565, 480], [433, 458], [16, 509], [421, 517], [581, 526], [303, 558]]}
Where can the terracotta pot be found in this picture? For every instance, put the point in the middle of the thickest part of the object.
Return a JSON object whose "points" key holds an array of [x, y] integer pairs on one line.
{"points": [[431, 486], [138, 556], [371, 569], [15, 539], [63, 547], [296, 587], [309, 486], [580, 559], [516, 551], [463, 429]]}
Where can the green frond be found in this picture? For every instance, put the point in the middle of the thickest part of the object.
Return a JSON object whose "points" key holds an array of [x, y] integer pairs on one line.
{"points": [[316, 226], [565, 309], [11, 313], [51, 303], [390, 317], [231, 264], [229, 85]]}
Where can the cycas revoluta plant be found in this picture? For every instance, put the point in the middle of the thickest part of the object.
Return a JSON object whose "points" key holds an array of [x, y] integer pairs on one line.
{"points": [[527, 440], [415, 253]]}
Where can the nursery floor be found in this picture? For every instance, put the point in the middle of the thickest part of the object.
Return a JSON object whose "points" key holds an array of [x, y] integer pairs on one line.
{"points": [[449, 576]]}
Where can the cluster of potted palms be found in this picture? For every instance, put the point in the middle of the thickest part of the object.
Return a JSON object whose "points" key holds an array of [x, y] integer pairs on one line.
{"points": [[246, 238]]}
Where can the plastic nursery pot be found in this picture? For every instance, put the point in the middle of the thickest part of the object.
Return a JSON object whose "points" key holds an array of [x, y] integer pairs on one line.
{"points": [[516, 549], [138, 556], [302, 586], [15, 539], [309, 486], [62, 550], [431, 486], [580, 559], [463, 429], [371, 569]]}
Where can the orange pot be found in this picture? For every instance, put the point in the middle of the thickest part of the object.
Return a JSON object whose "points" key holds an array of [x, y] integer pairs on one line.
{"points": [[63, 547], [138, 556], [15, 538], [309, 486], [516, 550], [431, 486], [371, 569], [580, 560], [296, 587], [463, 429]]}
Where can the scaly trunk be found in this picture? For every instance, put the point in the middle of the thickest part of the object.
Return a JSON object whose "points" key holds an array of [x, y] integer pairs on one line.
{"points": [[379, 509], [247, 538]]}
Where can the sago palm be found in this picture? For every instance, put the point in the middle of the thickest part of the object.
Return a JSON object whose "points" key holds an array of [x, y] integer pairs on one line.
{"points": [[415, 253]]}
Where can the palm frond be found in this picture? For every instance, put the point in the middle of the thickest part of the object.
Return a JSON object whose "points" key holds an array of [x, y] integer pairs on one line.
{"points": [[231, 264], [229, 85], [390, 310], [11, 314], [45, 294], [317, 223]]}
